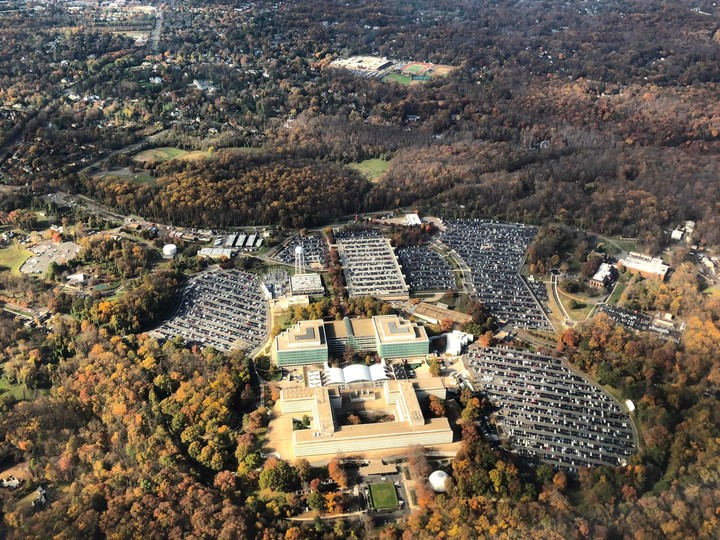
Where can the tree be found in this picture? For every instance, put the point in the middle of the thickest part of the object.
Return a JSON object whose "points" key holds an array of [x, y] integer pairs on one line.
{"points": [[337, 472], [435, 367], [437, 406], [279, 476], [316, 501]]}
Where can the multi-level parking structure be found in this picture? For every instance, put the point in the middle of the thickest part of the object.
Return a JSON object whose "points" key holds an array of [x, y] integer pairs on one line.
{"points": [[494, 253], [425, 270], [371, 268], [223, 309], [550, 413]]}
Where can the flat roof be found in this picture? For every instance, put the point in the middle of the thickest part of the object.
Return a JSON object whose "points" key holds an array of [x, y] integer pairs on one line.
{"points": [[603, 272], [391, 329], [303, 335], [360, 327], [306, 282], [645, 263], [438, 313], [374, 430]]}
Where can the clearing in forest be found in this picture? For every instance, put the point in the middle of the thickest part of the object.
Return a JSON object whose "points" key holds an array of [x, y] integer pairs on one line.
{"points": [[13, 258], [372, 169], [164, 153]]}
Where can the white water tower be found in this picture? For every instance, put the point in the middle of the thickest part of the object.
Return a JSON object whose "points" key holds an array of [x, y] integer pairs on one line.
{"points": [[299, 260]]}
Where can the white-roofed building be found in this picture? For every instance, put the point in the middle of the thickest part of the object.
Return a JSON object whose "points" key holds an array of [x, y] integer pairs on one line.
{"points": [[456, 341], [356, 373], [413, 219], [646, 266]]}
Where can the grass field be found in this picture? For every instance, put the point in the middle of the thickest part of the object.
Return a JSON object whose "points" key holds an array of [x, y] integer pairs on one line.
{"points": [[165, 153], [396, 77], [383, 496], [141, 177], [372, 169], [13, 258], [713, 291], [18, 391], [617, 293]]}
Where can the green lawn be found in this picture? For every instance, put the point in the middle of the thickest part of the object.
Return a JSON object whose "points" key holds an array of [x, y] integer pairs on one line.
{"points": [[396, 77], [383, 496], [372, 169], [13, 258], [18, 391], [617, 293]]}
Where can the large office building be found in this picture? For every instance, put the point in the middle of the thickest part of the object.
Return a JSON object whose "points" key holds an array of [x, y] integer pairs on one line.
{"points": [[398, 398], [311, 342], [303, 343]]}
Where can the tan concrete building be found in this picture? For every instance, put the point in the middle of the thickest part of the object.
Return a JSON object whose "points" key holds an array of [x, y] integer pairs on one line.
{"points": [[400, 398]]}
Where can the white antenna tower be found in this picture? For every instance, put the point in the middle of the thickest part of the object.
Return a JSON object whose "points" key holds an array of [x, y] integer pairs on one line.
{"points": [[299, 260]]}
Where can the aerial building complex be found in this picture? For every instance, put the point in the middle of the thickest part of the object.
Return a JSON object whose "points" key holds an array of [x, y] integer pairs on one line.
{"points": [[311, 342]]}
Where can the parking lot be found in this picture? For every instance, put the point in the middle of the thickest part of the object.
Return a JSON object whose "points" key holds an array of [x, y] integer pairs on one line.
{"points": [[630, 319], [549, 412], [425, 270], [46, 252], [223, 309], [371, 267], [315, 251], [494, 252]]}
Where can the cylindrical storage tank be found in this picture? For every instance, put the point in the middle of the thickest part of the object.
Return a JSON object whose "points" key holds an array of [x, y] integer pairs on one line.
{"points": [[169, 251]]}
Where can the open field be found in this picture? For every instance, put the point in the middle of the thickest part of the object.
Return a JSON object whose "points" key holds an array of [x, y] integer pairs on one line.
{"points": [[141, 177], [372, 169], [442, 70], [164, 153], [396, 77], [579, 314], [19, 391], [13, 258], [383, 496], [617, 293]]}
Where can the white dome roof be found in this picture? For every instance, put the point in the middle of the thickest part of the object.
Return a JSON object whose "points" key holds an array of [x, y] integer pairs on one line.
{"points": [[299, 250], [438, 481]]}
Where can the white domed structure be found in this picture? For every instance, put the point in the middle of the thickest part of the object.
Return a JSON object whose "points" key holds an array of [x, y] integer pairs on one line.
{"points": [[169, 251], [438, 481], [299, 250]]}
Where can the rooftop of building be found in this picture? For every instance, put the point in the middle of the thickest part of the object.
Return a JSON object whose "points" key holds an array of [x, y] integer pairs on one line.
{"points": [[303, 335], [644, 263], [391, 329], [438, 313], [605, 271]]}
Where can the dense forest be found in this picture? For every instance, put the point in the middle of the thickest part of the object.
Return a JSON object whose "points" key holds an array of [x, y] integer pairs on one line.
{"points": [[557, 111]]}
